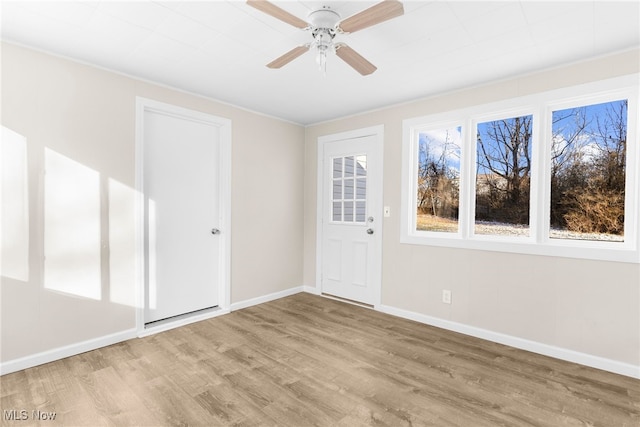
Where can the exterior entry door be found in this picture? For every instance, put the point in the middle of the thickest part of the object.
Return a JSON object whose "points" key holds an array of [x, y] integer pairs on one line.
{"points": [[182, 205], [350, 196]]}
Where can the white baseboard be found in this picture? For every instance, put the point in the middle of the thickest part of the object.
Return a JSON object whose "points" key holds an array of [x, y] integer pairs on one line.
{"points": [[181, 321], [312, 290], [235, 306], [609, 365], [266, 298], [66, 351]]}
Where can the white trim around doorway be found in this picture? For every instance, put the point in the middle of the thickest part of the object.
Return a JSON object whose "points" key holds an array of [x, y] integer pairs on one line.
{"points": [[224, 290]]}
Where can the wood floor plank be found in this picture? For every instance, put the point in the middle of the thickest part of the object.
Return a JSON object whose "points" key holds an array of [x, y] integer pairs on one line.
{"points": [[121, 408], [306, 360]]}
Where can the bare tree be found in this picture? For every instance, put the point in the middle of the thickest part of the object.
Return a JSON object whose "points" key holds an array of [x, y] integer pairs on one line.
{"points": [[504, 159], [568, 169], [611, 140], [588, 177], [437, 180]]}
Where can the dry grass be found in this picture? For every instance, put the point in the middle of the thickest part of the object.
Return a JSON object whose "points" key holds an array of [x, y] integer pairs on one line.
{"points": [[425, 222]]}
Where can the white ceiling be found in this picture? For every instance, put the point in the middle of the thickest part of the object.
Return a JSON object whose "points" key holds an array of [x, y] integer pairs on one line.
{"points": [[219, 48]]}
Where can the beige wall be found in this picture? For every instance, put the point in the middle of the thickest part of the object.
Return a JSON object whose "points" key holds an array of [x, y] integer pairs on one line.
{"points": [[584, 306], [88, 116]]}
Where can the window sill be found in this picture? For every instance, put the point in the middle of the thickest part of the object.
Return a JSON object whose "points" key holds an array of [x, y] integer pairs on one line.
{"points": [[599, 251]]}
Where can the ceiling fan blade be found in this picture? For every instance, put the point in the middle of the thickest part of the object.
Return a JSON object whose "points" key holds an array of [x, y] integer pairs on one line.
{"points": [[354, 59], [288, 57], [376, 14], [281, 14]]}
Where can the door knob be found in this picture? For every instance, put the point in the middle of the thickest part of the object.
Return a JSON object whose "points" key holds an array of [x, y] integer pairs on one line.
{"points": [[215, 231], [369, 231]]}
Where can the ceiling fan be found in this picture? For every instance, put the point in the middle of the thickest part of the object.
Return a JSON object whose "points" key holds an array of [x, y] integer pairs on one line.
{"points": [[324, 24]]}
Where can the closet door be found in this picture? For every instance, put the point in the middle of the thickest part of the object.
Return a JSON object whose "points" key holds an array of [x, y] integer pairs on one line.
{"points": [[182, 203]]}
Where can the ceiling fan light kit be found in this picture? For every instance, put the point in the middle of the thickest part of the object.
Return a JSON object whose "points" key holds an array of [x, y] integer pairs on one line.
{"points": [[324, 24]]}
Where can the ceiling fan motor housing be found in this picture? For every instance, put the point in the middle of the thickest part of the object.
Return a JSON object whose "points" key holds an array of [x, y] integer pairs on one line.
{"points": [[323, 29], [324, 18]]}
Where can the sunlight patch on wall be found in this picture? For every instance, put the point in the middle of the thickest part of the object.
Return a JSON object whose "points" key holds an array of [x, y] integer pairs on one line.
{"points": [[71, 227], [14, 197], [122, 243], [152, 257]]}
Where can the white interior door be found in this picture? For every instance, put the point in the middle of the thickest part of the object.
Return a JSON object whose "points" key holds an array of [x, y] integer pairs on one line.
{"points": [[350, 196], [182, 205]]}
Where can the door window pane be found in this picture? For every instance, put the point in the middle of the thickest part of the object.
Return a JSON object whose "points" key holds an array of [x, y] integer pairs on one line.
{"points": [[348, 189], [337, 189], [337, 167], [361, 211], [361, 165], [348, 166], [337, 211], [361, 188], [348, 211]]}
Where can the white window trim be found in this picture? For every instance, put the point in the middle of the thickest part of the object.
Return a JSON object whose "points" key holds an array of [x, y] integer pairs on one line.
{"points": [[538, 242]]}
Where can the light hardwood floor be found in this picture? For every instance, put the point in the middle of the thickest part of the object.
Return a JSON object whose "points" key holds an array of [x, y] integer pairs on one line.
{"points": [[307, 360]]}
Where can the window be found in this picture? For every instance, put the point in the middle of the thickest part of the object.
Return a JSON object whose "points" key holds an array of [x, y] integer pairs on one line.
{"points": [[548, 174], [438, 179], [349, 195], [588, 170], [503, 172]]}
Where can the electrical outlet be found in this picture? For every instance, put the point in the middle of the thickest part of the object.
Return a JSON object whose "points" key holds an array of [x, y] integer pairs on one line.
{"points": [[446, 296]]}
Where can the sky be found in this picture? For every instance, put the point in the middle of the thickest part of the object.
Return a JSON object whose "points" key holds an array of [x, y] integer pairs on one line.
{"points": [[439, 140], [450, 138]]}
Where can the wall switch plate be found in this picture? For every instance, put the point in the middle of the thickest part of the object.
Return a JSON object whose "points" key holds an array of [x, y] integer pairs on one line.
{"points": [[387, 211], [446, 296]]}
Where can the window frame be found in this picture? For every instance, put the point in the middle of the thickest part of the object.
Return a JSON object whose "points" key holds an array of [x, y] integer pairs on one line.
{"points": [[541, 107]]}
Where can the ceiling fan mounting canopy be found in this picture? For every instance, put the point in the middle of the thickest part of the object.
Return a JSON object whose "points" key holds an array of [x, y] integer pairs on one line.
{"points": [[324, 24]]}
